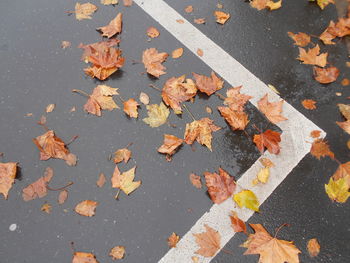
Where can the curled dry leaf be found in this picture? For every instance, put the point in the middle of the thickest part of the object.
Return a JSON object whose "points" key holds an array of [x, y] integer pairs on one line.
{"points": [[38, 189], [326, 75], [208, 241], [144, 98], [200, 52], [101, 99], [269, 139], [201, 131], [114, 27], [323, 3], [320, 148], [83, 257], [220, 186], [343, 171], [109, 2], [313, 247], [338, 190], [117, 252], [122, 155], [101, 180], [83, 11], [62, 197], [127, 2], [189, 9], [237, 224], [46, 208], [199, 21], [270, 248], [345, 111], [130, 108], [339, 29], [177, 90], [8, 173], [50, 146], [309, 104], [313, 56], [195, 180], [173, 239], [157, 115], [221, 17], [208, 85], [152, 32], [300, 39], [125, 181], [272, 110], [65, 44], [170, 145], [177, 52], [262, 4], [86, 208], [248, 199], [238, 120], [235, 100], [153, 60]]}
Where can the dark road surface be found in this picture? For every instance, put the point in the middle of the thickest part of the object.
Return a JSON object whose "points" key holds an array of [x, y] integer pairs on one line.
{"points": [[35, 71]]}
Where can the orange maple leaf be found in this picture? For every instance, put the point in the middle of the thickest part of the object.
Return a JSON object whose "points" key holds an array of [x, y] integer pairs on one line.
{"points": [[86, 208], [170, 145], [208, 85], [269, 139], [272, 110], [300, 39], [83, 257], [326, 75], [38, 189], [114, 27], [237, 224], [238, 120], [320, 148], [313, 56], [235, 100], [309, 104], [8, 173], [195, 180], [343, 171], [208, 241], [122, 155], [153, 60], [173, 239], [130, 108]]}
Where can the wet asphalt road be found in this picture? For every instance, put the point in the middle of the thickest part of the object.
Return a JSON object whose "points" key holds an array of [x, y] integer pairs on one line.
{"points": [[35, 71]]}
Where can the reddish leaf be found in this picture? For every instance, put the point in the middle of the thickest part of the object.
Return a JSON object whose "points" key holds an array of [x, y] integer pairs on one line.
{"points": [[313, 247], [173, 240], [153, 62], [170, 145], [62, 197], [195, 180], [208, 241], [237, 224], [309, 104], [238, 120], [300, 39], [152, 32], [130, 108], [269, 139], [235, 100], [326, 75], [320, 148], [8, 173], [38, 189], [114, 27], [208, 85]]}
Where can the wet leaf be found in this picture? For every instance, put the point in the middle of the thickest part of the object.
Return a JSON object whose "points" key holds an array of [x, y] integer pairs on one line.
{"points": [[153, 60], [38, 189], [323, 3], [313, 56], [201, 131], [208, 85], [157, 115], [338, 190], [238, 120], [189, 9], [117, 252], [199, 21], [125, 181], [235, 100], [315, 134], [83, 11], [170, 145], [272, 110], [195, 180], [62, 197], [313, 247], [344, 125], [208, 241], [109, 2], [309, 104], [177, 52], [173, 240], [122, 155], [320, 148], [50, 108], [326, 75], [269, 139], [82, 257], [248, 199], [300, 39], [237, 224], [345, 110], [152, 32], [220, 186], [101, 180], [144, 98], [343, 171], [114, 27], [8, 173], [339, 29], [130, 108], [221, 17], [86, 208], [46, 208]]}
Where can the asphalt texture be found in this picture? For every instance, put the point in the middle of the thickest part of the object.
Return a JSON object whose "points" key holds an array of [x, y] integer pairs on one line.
{"points": [[35, 72]]}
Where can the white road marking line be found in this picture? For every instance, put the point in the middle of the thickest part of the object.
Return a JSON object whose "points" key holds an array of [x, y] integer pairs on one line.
{"points": [[295, 138]]}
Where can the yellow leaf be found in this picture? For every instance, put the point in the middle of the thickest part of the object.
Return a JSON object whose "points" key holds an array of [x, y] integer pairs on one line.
{"points": [[338, 190], [83, 11], [263, 175], [157, 115], [273, 88], [323, 3], [274, 5], [109, 2], [127, 183], [247, 199]]}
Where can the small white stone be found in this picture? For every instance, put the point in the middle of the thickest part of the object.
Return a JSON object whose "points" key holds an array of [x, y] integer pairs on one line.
{"points": [[13, 227]]}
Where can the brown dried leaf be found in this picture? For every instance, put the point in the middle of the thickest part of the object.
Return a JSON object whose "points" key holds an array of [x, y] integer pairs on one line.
{"points": [[152, 61], [344, 125], [83, 11], [46, 208], [144, 98], [343, 171], [114, 27], [122, 155], [117, 252], [300, 39], [309, 104], [83, 257], [189, 9], [127, 2], [326, 75], [238, 120], [173, 240], [199, 21], [269, 139], [235, 100], [109, 2], [272, 110], [237, 224], [177, 52], [130, 108], [208, 85], [195, 180], [313, 247], [170, 144], [152, 32], [62, 197], [101, 180], [315, 134], [339, 29], [345, 110], [313, 56], [86, 208], [221, 17], [208, 241], [38, 189], [320, 148], [8, 173], [200, 52]]}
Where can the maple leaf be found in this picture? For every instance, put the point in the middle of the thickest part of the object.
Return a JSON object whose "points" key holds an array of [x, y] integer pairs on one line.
{"points": [[345, 111], [208, 85], [313, 247], [323, 3], [270, 249], [237, 224], [339, 29], [344, 125], [269, 139], [101, 180], [238, 120], [178, 90], [235, 100], [262, 4], [313, 56], [144, 98], [109, 2], [201, 131], [86, 208], [122, 155], [338, 190], [101, 99], [221, 17], [117, 252], [114, 27], [152, 32], [326, 75], [173, 239], [247, 199], [208, 241], [262, 176], [83, 257], [130, 108], [320, 148], [62, 197], [38, 189], [83, 11], [220, 186], [153, 60], [8, 173], [195, 180], [309, 104], [315, 133], [301, 39], [170, 145], [46, 208], [89, 49], [157, 115], [272, 110], [125, 181], [50, 146], [343, 171]]}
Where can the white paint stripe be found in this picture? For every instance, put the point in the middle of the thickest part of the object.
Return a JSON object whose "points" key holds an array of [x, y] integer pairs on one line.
{"points": [[295, 137]]}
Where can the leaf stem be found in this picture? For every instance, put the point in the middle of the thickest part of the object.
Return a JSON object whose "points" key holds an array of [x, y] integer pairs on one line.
{"points": [[72, 139], [59, 189], [220, 95], [189, 112], [117, 195], [155, 87], [81, 92], [279, 228]]}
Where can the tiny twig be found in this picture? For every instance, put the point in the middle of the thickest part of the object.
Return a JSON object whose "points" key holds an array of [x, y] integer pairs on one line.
{"points": [[220, 95], [81, 92], [278, 229], [259, 130], [335, 159], [189, 112], [117, 195], [154, 87], [129, 144], [72, 140], [227, 251], [59, 189]]}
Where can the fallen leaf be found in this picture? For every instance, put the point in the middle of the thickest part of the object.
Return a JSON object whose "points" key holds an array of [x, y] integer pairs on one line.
{"points": [[237, 224], [262, 4], [144, 98], [272, 110], [199, 21], [208, 110], [62, 197], [266, 162], [271, 87], [92, 48], [38, 189], [180, 21], [173, 240], [313, 247], [326, 75], [345, 82], [270, 249], [82, 257], [343, 171], [345, 110], [46, 208], [152, 32], [189, 9], [177, 52], [50, 108], [101, 180], [114, 27], [263, 175], [130, 108], [201, 131], [315, 134], [200, 52], [109, 2], [320, 148], [221, 17], [344, 125], [238, 120], [235, 100], [339, 29], [300, 39], [125, 181], [313, 56], [152, 61], [127, 2], [338, 190], [323, 3], [157, 115], [122, 155], [269, 139], [208, 241], [8, 173], [309, 104], [178, 90], [248, 199], [83, 11], [195, 180], [65, 44], [274, 5], [208, 85], [170, 145], [117, 252], [220, 186], [86, 208], [42, 120]]}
